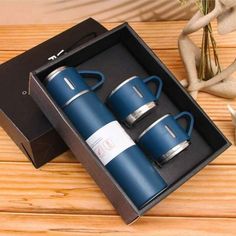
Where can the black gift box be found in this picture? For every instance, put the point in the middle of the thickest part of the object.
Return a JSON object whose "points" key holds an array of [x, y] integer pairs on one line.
{"points": [[20, 117], [119, 54]]}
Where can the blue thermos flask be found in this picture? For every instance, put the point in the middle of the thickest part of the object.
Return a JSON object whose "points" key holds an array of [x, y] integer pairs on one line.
{"points": [[105, 136]]}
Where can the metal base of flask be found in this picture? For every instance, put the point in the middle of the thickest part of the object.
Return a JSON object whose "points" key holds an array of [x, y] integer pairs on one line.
{"points": [[139, 113], [173, 152]]}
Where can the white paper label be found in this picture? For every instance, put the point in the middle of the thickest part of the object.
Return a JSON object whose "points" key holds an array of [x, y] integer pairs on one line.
{"points": [[109, 141]]}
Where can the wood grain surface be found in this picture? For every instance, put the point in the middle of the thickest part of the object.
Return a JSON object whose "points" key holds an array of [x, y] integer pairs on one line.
{"points": [[61, 198]]}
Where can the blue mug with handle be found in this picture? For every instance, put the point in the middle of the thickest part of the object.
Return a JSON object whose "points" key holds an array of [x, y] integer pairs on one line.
{"points": [[132, 99], [165, 138]]}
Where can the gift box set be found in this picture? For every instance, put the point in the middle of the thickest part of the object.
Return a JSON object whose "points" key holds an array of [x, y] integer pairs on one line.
{"points": [[125, 117]]}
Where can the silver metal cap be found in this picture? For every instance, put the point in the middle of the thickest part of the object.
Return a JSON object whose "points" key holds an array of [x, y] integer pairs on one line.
{"points": [[54, 73]]}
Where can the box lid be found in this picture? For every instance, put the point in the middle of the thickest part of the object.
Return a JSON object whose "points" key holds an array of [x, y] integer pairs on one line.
{"points": [[19, 115]]}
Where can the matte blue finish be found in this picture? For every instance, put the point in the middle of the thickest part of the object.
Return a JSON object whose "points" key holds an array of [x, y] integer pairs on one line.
{"points": [[131, 169], [58, 86], [88, 114], [190, 119], [158, 141], [126, 100], [158, 82], [136, 175]]}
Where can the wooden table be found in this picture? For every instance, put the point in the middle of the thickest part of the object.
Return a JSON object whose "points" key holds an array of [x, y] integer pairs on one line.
{"points": [[62, 199]]}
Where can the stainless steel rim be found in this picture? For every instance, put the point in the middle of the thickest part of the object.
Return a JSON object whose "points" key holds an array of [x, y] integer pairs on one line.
{"points": [[74, 97], [54, 73], [152, 125], [120, 85], [140, 112], [174, 151]]}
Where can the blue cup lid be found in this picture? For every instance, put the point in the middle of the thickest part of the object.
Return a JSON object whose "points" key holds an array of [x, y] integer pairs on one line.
{"points": [[65, 85]]}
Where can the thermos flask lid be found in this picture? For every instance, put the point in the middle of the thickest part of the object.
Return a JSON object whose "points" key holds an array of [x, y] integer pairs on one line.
{"points": [[67, 81], [54, 73]]}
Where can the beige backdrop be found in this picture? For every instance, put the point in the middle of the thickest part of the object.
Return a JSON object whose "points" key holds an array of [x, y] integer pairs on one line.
{"points": [[59, 11]]}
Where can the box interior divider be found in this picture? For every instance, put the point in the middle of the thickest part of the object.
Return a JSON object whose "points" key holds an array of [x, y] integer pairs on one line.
{"points": [[120, 54]]}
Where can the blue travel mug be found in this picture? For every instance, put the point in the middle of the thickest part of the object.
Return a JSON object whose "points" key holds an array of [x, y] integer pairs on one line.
{"points": [[124, 160], [132, 99], [165, 138]]}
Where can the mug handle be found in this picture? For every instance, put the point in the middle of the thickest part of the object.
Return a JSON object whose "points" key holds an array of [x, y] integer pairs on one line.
{"points": [[189, 117], [94, 74], [158, 83]]}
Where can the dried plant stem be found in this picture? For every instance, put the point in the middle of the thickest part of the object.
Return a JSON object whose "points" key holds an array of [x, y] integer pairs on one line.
{"points": [[205, 69]]}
